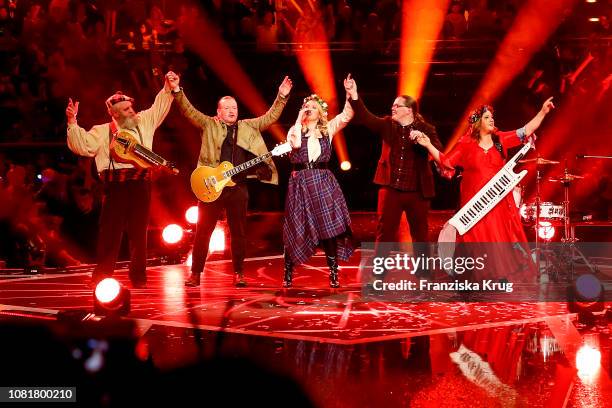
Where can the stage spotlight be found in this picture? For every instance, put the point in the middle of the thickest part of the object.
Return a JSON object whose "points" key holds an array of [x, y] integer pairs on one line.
{"points": [[585, 296], [345, 165], [191, 215], [217, 240], [111, 298], [172, 234], [177, 244], [594, 19], [546, 230], [588, 362], [189, 260]]}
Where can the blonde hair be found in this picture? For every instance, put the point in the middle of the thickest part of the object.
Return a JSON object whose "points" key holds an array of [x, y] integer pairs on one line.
{"points": [[320, 105]]}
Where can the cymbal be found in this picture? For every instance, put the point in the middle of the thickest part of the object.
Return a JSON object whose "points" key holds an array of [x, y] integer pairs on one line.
{"points": [[565, 178], [538, 161]]}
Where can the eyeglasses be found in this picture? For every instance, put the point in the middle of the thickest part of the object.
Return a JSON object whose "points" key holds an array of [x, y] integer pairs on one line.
{"points": [[395, 105]]}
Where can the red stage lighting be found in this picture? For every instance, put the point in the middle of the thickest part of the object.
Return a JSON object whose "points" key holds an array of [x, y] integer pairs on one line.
{"points": [[172, 234], [588, 363], [111, 298], [191, 215]]}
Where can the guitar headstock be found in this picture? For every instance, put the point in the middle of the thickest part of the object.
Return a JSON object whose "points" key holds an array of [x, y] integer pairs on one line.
{"points": [[281, 149]]}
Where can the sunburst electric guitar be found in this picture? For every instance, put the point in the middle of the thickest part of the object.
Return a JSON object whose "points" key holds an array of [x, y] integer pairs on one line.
{"points": [[126, 149], [207, 183]]}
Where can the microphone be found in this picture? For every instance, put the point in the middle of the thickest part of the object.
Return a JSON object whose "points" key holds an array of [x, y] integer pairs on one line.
{"points": [[580, 156]]}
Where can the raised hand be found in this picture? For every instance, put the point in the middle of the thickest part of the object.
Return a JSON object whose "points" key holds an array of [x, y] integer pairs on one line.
{"points": [[548, 106], [350, 86], [285, 86], [172, 81], [71, 111]]}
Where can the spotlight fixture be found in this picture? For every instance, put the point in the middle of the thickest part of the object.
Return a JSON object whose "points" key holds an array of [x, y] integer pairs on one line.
{"points": [[191, 215], [111, 298], [585, 295], [172, 234]]}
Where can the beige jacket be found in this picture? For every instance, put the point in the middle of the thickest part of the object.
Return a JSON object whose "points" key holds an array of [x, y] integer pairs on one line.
{"points": [[95, 142], [249, 132]]}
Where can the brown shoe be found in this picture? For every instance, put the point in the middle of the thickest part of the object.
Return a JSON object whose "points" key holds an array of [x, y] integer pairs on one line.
{"points": [[193, 281]]}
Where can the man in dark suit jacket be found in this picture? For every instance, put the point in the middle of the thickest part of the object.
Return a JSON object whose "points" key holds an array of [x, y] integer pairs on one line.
{"points": [[403, 172]]}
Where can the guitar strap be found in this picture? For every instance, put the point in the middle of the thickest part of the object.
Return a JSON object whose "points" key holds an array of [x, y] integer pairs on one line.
{"points": [[498, 146], [112, 131]]}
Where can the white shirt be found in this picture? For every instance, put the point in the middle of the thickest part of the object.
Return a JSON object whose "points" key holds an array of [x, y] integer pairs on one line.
{"points": [[294, 136]]}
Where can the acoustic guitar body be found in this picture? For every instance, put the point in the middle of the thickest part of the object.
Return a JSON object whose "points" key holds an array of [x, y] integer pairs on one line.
{"points": [[122, 149]]}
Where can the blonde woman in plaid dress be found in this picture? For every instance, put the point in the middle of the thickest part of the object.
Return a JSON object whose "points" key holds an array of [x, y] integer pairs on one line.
{"points": [[315, 209]]}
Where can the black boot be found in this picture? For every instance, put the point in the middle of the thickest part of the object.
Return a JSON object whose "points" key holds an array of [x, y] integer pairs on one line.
{"points": [[287, 280], [332, 262], [193, 281], [239, 281]]}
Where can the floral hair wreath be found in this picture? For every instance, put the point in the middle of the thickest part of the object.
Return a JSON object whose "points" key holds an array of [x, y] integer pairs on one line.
{"points": [[477, 114], [319, 100]]}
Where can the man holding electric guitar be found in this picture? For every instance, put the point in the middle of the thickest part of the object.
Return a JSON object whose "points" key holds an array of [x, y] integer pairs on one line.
{"points": [[228, 146], [122, 151]]}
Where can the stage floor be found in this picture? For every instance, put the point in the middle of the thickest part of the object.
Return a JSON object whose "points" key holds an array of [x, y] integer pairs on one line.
{"points": [[312, 329]]}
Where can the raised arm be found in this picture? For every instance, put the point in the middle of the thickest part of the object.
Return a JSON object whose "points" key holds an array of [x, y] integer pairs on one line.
{"points": [[79, 140], [535, 123], [197, 118], [340, 121], [156, 114], [264, 121], [517, 137], [362, 114]]}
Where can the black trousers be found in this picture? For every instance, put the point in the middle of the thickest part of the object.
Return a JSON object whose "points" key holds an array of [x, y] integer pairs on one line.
{"points": [[234, 200], [391, 204], [125, 208]]}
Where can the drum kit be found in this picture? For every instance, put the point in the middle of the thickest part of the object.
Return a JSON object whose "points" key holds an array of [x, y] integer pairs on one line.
{"points": [[536, 211], [545, 214]]}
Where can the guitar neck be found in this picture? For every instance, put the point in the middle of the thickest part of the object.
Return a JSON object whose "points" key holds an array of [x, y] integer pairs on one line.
{"points": [[247, 165], [149, 155]]}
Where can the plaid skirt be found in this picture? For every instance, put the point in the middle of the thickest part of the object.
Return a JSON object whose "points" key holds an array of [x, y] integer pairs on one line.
{"points": [[315, 209]]}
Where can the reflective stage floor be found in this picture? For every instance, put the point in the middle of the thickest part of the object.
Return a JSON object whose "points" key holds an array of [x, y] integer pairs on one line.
{"points": [[345, 350]]}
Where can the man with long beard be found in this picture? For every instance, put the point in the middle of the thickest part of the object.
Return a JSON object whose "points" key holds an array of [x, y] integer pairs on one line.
{"points": [[127, 192]]}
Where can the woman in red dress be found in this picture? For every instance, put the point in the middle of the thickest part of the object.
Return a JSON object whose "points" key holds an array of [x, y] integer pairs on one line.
{"points": [[482, 152]]}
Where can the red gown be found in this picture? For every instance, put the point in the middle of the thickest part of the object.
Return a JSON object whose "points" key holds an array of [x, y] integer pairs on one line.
{"points": [[502, 224]]}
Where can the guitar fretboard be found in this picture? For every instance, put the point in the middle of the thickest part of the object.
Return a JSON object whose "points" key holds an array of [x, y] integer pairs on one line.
{"points": [[143, 152], [246, 165]]}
